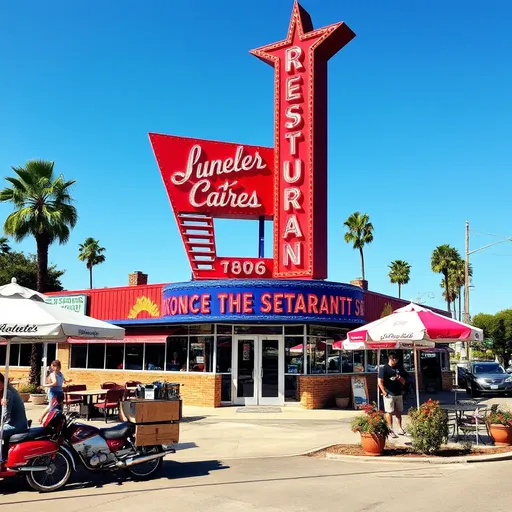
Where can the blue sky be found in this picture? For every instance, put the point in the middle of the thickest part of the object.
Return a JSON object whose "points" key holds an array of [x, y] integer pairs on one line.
{"points": [[419, 125]]}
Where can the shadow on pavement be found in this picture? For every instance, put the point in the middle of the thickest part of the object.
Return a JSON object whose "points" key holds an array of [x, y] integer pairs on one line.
{"points": [[171, 470]]}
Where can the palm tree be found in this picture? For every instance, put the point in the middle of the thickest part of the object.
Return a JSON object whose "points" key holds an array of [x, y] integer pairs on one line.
{"points": [[444, 258], [399, 274], [360, 233], [4, 245], [43, 209], [91, 253], [458, 279]]}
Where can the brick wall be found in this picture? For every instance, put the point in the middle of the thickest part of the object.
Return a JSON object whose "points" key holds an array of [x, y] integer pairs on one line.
{"points": [[320, 391]]}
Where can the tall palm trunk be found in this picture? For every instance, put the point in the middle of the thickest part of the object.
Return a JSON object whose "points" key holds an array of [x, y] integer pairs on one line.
{"points": [[447, 290], [454, 309], [42, 261], [90, 277], [362, 262], [399, 290]]}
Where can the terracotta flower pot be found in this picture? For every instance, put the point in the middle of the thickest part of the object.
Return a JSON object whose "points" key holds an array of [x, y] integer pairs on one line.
{"points": [[373, 444], [502, 434], [39, 399], [342, 403], [25, 396]]}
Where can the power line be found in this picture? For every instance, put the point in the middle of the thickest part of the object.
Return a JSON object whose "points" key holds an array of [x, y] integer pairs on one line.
{"points": [[489, 234]]}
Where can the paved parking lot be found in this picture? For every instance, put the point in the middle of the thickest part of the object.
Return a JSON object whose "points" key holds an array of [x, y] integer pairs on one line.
{"points": [[281, 484]]}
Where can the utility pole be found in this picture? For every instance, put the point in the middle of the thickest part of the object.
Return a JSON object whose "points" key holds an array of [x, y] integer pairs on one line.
{"points": [[466, 269], [466, 277]]}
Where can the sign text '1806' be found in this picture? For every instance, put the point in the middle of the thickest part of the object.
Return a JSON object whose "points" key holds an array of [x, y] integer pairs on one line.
{"points": [[245, 268]]}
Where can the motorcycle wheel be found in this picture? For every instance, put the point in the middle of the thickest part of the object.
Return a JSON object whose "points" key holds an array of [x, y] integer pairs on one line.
{"points": [[147, 469], [57, 475]]}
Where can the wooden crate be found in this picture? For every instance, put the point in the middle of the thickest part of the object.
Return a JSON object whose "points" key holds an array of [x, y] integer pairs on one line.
{"points": [[150, 411], [152, 435]]}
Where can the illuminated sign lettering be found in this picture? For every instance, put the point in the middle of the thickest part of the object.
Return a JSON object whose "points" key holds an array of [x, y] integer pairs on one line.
{"points": [[287, 184]]}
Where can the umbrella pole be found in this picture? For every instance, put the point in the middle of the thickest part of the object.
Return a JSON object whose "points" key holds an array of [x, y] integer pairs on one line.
{"points": [[4, 396], [416, 373], [378, 366]]}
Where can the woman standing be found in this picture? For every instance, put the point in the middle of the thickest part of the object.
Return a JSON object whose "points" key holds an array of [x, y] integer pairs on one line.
{"points": [[54, 383]]}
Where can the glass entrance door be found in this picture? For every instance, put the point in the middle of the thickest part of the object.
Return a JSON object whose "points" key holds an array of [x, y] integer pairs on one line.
{"points": [[258, 376], [244, 366]]}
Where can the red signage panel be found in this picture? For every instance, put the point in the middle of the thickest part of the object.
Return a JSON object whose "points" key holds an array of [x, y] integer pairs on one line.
{"points": [[300, 133]]}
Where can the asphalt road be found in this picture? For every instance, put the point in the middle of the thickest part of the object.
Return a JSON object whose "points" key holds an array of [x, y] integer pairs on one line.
{"points": [[280, 484]]}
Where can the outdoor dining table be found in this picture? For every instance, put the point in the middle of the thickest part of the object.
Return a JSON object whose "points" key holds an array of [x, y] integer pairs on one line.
{"points": [[87, 405], [459, 409]]}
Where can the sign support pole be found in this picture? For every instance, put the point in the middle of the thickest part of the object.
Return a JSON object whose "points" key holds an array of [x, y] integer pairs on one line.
{"points": [[261, 246]]}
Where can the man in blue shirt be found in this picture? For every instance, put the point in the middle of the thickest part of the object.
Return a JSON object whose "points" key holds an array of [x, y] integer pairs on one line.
{"points": [[13, 410]]}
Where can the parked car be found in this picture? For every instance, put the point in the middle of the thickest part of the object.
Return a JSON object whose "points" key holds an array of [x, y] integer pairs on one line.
{"points": [[487, 377]]}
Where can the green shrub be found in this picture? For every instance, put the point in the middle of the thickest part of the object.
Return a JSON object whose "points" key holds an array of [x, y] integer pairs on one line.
{"points": [[27, 388], [428, 427]]}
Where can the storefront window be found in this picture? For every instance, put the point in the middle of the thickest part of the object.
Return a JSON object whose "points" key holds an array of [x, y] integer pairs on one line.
{"points": [[224, 329], [134, 356], [224, 353], [358, 361], [114, 356], [200, 329], [96, 356], [51, 352], [201, 353], [291, 388], [78, 356], [294, 354], [225, 394], [333, 360], [176, 353], [154, 356], [316, 355], [14, 355], [294, 330]]}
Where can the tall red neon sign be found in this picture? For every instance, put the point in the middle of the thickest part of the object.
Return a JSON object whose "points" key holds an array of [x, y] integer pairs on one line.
{"points": [[208, 179], [300, 153]]}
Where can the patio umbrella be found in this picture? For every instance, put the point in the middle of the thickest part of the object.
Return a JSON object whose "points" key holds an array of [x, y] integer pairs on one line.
{"points": [[25, 317], [410, 327]]}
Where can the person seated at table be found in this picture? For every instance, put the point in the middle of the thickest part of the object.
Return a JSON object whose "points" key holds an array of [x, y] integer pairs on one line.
{"points": [[54, 383], [13, 410]]}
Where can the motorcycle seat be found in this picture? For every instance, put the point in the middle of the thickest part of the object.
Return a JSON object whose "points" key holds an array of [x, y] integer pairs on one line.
{"points": [[29, 435], [117, 432]]}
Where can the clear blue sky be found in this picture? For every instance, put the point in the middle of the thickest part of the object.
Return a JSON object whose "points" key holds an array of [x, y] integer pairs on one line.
{"points": [[420, 134]]}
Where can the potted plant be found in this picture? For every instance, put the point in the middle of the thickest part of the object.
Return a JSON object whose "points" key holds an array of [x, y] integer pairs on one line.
{"points": [[499, 422], [342, 402], [39, 396], [373, 429], [25, 390]]}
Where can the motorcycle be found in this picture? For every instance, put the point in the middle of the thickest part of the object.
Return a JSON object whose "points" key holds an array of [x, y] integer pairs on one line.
{"points": [[72, 443]]}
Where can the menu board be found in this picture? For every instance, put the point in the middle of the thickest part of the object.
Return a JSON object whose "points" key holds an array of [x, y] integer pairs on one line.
{"points": [[359, 391]]}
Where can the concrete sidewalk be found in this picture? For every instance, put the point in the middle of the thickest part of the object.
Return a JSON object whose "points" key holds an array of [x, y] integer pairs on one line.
{"points": [[224, 433]]}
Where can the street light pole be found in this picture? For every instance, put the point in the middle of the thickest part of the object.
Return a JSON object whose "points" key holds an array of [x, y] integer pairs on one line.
{"points": [[466, 269], [466, 277]]}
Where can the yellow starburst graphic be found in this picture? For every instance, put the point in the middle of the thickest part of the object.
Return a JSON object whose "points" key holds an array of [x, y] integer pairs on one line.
{"points": [[143, 303]]}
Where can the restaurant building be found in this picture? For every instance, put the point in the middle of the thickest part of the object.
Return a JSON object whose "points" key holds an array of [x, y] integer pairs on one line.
{"points": [[256, 330], [230, 353]]}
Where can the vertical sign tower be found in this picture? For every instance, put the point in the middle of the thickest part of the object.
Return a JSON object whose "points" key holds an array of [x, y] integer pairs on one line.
{"points": [[300, 152]]}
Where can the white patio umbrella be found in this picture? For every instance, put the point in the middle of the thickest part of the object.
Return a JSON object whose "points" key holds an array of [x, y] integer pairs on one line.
{"points": [[25, 317], [410, 327]]}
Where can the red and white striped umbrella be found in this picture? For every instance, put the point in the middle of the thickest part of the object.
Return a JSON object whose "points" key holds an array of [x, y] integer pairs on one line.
{"points": [[408, 327]]}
